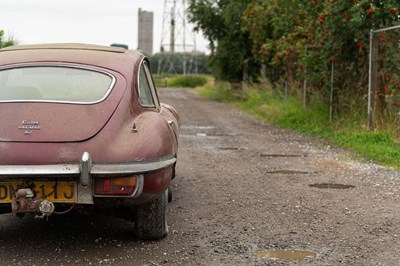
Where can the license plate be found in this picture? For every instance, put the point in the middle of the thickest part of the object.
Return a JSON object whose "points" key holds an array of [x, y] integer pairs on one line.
{"points": [[60, 191]]}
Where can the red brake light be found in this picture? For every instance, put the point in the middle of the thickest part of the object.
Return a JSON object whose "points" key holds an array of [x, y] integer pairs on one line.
{"points": [[107, 185], [122, 186]]}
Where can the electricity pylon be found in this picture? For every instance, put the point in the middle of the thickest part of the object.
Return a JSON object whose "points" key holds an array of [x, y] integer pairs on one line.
{"points": [[178, 44]]}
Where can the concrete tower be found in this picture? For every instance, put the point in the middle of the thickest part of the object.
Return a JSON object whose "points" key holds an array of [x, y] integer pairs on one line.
{"points": [[145, 32]]}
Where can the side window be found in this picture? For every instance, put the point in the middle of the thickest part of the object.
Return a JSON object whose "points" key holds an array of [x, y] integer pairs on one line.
{"points": [[147, 93]]}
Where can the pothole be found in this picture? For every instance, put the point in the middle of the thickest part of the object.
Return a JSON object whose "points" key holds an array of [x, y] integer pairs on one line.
{"points": [[231, 148], [289, 172], [331, 186], [278, 155], [194, 135], [197, 127], [294, 255], [224, 134], [200, 135]]}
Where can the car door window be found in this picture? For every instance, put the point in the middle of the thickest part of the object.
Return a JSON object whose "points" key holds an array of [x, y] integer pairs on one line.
{"points": [[147, 94]]}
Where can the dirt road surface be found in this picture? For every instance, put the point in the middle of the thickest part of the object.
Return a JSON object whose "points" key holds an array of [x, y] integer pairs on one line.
{"points": [[242, 187]]}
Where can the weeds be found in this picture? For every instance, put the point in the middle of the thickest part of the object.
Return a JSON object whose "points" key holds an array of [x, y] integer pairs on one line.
{"points": [[180, 81], [346, 131]]}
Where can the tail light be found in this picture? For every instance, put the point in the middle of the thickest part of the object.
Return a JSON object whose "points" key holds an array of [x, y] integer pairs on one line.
{"points": [[117, 186]]}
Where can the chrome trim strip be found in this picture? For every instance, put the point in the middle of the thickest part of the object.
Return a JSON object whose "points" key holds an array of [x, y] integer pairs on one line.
{"points": [[137, 167], [48, 170], [153, 90], [40, 64], [132, 168]]}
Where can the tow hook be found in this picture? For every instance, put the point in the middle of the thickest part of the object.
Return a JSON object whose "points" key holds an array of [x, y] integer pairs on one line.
{"points": [[24, 202]]}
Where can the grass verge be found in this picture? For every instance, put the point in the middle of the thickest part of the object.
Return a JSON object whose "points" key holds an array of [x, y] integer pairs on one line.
{"points": [[180, 81], [349, 132]]}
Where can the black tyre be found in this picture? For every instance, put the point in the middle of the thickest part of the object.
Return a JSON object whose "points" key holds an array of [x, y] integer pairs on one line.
{"points": [[170, 194], [151, 219]]}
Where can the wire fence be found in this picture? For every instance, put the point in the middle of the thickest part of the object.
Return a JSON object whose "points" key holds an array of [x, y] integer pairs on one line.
{"points": [[348, 85], [384, 77]]}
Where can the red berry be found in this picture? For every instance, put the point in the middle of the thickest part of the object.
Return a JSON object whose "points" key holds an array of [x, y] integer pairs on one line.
{"points": [[386, 89], [371, 11]]}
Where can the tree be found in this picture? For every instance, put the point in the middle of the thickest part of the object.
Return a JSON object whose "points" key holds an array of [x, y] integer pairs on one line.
{"points": [[293, 35], [231, 48]]}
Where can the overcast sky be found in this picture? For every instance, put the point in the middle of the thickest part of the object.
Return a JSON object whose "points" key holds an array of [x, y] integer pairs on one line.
{"points": [[86, 21]]}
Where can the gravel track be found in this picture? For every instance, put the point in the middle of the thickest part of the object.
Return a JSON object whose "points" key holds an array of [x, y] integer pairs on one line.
{"points": [[241, 187]]}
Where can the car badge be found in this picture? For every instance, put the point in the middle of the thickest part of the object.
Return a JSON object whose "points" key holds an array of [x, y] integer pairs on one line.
{"points": [[29, 126]]}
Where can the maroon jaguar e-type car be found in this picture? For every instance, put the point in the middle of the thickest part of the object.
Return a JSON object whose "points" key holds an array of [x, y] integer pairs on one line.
{"points": [[81, 126]]}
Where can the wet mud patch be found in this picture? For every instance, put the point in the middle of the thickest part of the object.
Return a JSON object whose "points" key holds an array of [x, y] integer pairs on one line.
{"points": [[199, 135], [281, 155], [331, 186], [333, 165], [292, 255], [206, 135], [197, 127], [231, 148], [289, 172], [225, 134], [205, 131]]}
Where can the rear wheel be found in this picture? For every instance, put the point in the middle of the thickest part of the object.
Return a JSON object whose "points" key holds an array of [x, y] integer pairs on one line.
{"points": [[151, 219], [170, 194]]}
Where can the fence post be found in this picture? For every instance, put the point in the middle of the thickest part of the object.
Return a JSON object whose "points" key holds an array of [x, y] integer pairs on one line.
{"points": [[372, 80], [245, 77], [331, 94], [286, 84], [305, 79]]}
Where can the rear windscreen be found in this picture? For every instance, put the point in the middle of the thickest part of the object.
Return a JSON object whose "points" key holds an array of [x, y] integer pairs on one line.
{"points": [[54, 84]]}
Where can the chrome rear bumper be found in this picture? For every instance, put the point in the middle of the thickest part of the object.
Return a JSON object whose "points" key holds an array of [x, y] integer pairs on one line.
{"points": [[86, 170]]}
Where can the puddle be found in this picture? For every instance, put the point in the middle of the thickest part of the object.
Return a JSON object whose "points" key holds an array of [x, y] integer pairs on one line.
{"points": [[273, 155], [197, 127], [198, 135], [289, 172], [224, 134], [285, 254], [231, 149], [331, 186]]}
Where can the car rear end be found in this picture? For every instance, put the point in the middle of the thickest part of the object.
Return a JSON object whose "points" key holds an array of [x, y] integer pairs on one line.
{"points": [[63, 138]]}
